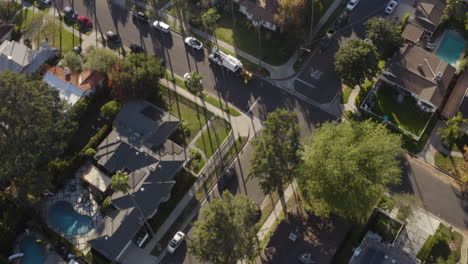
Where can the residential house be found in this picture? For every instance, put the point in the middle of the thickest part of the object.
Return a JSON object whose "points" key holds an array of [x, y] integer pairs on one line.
{"points": [[421, 74], [17, 57], [260, 12], [458, 100], [6, 30], [73, 85], [138, 144], [413, 34], [428, 15]]}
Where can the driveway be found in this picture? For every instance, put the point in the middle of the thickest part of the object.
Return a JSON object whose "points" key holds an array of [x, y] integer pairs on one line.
{"points": [[319, 81]]}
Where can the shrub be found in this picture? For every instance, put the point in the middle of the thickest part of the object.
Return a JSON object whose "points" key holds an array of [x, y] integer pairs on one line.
{"points": [[96, 139], [403, 22], [196, 155], [363, 92], [90, 152], [185, 129], [426, 249], [349, 114], [386, 203], [72, 61], [463, 65], [79, 109], [404, 212], [106, 204], [110, 109]]}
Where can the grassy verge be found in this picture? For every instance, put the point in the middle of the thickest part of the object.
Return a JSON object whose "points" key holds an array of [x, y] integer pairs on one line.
{"points": [[454, 165], [184, 181], [443, 247], [213, 137], [268, 207], [345, 93]]}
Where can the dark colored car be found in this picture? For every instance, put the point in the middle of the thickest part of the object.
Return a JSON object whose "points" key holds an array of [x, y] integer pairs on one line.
{"points": [[84, 21], [134, 48], [225, 179], [140, 16], [342, 20], [70, 13], [112, 36]]}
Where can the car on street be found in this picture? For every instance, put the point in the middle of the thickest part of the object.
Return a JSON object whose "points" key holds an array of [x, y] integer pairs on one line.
{"points": [[352, 4], [114, 37], [391, 7], [45, 2], [342, 20], [140, 16], [306, 258], [175, 242], [70, 13], [162, 26], [194, 43], [84, 21], [225, 178], [134, 48]]}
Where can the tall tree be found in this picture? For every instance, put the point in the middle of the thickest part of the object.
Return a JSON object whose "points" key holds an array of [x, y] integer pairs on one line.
{"points": [[227, 231], [120, 183], [100, 59], [383, 34], [347, 167], [276, 154], [137, 76], [34, 129], [451, 131], [180, 6], [72, 61], [194, 82], [210, 20], [289, 14], [356, 61]]}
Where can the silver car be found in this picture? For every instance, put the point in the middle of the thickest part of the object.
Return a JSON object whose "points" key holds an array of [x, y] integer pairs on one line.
{"points": [[194, 43]]}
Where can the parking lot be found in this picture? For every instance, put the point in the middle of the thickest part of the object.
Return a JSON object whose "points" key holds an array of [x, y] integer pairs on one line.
{"points": [[319, 81]]}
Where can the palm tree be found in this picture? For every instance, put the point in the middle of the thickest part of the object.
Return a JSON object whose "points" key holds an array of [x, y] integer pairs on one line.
{"points": [[193, 82], [452, 131], [120, 184], [210, 19], [180, 5]]}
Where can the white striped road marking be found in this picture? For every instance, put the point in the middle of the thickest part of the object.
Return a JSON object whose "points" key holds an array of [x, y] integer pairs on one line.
{"points": [[306, 83]]}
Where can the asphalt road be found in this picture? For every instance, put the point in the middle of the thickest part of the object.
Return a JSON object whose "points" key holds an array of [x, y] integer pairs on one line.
{"points": [[319, 81]]}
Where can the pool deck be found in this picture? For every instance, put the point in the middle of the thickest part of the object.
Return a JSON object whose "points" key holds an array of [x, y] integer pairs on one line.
{"points": [[51, 257], [83, 202]]}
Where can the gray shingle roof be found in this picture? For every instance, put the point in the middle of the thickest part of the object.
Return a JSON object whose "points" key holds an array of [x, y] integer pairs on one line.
{"points": [[17, 57]]}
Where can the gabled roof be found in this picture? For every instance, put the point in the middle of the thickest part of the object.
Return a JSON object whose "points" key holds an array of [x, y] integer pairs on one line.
{"points": [[261, 9], [428, 14], [412, 33], [416, 70], [17, 57]]}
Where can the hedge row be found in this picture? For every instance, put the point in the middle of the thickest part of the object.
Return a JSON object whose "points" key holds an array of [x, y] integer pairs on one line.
{"points": [[426, 249]]}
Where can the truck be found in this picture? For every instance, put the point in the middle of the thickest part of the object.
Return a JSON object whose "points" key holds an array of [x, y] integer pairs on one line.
{"points": [[229, 62]]}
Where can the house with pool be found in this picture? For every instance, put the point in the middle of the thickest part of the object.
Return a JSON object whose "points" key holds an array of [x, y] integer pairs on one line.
{"points": [[139, 145]]}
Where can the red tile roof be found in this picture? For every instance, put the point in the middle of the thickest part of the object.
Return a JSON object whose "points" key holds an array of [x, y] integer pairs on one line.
{"points": [[85, 80]]}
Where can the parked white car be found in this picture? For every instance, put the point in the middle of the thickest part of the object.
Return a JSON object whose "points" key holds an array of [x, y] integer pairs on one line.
{"points": [[162, 26], [194, 43], [391, 7], [352, 4], [175, 242]]}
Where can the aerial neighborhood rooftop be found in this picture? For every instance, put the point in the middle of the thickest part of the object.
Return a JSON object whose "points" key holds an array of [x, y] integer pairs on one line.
{"points": [[207, 131]]}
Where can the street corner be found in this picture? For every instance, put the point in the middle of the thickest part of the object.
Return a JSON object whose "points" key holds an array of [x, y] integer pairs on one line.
{"points": [[302, 232]]}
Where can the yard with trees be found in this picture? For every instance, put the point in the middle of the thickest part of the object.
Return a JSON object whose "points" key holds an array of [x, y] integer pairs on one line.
{"points": [[383, 34]]}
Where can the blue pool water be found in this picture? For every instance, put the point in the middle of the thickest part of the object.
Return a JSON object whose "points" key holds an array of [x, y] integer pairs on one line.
{"points": [[63, 218], [32, 251], [451, 48]]}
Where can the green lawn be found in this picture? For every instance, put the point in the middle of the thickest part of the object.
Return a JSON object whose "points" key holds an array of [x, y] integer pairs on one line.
{"points": [[214, 136], [188, 112], [453, 165], [184, 181], [446, 247], [407, 115], [57, 36], [345, 93]]}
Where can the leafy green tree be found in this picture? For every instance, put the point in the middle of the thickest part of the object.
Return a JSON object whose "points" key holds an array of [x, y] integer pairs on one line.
{"points": [[194, 82], [290, 13], [210, 20], [137, 76], [227, 231], [277, 152], [356, 61], [110, 109], [34, 129], [383, 34], [72, 61], [12, 223], [452, 6], [347, 167], [180, 6], [451, 131], [100, 59]]}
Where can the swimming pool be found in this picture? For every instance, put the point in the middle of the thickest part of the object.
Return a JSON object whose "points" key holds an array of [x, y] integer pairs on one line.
{"points": [[451, 48], [32, 251], [63, 218]]}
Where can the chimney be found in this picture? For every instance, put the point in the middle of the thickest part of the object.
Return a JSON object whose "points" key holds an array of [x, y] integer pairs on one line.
{"points": [[438, 76], [67, 72]]}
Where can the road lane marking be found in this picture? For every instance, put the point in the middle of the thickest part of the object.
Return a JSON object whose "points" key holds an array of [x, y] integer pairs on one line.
{"points": [[253, 105], [306, 83]]}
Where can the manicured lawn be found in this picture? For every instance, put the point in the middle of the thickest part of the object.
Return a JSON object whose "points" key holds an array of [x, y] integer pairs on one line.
{"points": [[453, 165], [191, 114], [345, 93], [184, 181], [214, 136], [405, 114], [445, 247]]}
